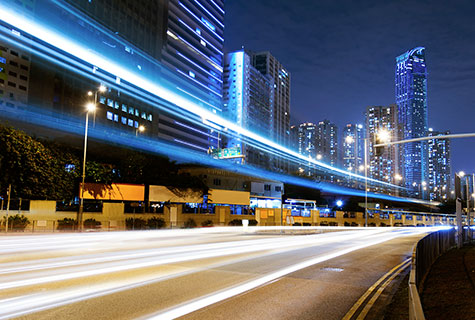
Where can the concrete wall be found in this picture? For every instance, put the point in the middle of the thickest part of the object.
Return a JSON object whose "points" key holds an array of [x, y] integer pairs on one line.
{"points": [[43, 217]]}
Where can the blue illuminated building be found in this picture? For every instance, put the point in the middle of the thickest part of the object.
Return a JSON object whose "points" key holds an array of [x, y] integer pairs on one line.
{"points": [[411, 99], [439, 168], [248, 102], [353, 147]]}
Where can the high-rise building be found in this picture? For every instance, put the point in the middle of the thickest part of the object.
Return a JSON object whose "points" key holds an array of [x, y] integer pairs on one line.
{"points": [[353, 147], [438, 166], [14, 76], [181, 41], [267, 64], [383, 164], [327, 143], [294, 138], [248, 102], [411, 99], [307, 137]]}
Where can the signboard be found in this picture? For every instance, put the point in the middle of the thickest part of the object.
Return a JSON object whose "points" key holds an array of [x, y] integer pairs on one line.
{"points": [[115, 191], [226, 153]]}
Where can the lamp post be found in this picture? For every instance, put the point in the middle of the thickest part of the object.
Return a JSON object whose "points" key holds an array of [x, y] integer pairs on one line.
{"points": [[90, 107], [101, 89]]}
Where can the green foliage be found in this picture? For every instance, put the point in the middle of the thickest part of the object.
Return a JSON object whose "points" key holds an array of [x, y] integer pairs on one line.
{"points": [[207, 223], [33, 170], [17, 222], [253, 222], [235, 222], [92, 224], [67, 224], [135, 223], [190, 223], [156, 223]]}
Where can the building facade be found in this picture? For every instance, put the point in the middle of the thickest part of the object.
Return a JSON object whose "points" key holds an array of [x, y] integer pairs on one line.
{"points": [[411, 99], [248, 101], [439, 168], [267, 64], [327, 144], [383, 164], [180, 44], [353, 147]]}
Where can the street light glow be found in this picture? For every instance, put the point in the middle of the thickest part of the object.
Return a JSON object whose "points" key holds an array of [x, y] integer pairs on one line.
{"points": [[398, 177], [384, 135], [461, 174], [141, 128], [102, 88], [90, 107], [349, 139], [339, 203]]}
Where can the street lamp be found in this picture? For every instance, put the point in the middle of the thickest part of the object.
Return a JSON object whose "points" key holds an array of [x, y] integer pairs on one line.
{"points": [[140, 129], [101, 89], [90, 107]]}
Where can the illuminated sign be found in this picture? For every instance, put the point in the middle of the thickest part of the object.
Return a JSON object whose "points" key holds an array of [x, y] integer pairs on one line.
{"points": [[226, 153]]}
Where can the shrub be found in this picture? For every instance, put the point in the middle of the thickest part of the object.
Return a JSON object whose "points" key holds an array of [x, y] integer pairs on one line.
{"points": [[372, 224], [67, 224], [92, 224], [190, 223], [324, 224], [18, 222], [297, 224], [346, 224], [333, 224], [253, 222], [135, 223], [306, 224], [155, 223], [207, 223], [235, 222], [354, 224], [382, 224]]}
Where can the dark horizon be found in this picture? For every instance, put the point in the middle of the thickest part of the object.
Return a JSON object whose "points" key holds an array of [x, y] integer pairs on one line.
{"points": [[341, 56]]}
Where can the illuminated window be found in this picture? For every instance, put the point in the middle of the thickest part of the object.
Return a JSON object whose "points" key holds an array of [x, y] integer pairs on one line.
{"points": [[116, 117], [130, 123], [150, 117], [124, 108], [123, 120], [102, 99], [109, 115], [110, 103]]}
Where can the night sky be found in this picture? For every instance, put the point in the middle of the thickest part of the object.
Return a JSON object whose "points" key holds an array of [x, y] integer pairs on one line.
{"points": [[341, 55]]}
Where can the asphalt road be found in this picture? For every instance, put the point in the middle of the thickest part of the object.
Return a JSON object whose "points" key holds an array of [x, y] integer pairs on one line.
{"points": [[209, 273]]}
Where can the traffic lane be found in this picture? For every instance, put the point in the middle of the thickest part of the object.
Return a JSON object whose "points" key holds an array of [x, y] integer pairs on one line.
{"points": [[147, 299], [324, 291]]}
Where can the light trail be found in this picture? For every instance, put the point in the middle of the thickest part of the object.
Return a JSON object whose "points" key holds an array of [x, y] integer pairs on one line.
{"points": [[28, 295], [59, 38]]}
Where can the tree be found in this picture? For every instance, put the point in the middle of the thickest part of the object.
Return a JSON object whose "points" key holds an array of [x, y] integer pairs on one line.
{"points": [[33, 170]]}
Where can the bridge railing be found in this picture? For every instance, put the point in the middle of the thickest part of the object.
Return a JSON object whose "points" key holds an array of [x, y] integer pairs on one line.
{"points": [[424, 254]]}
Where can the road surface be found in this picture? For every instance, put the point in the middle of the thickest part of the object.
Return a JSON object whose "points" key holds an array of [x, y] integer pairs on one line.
{"points": [[207, 273]]}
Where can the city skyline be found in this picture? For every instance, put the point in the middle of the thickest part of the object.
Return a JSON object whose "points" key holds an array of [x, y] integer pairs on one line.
{"points": [[327, 55]]}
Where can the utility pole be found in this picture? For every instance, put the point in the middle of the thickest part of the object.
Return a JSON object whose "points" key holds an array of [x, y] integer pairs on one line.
{"points": [[8, 206]]}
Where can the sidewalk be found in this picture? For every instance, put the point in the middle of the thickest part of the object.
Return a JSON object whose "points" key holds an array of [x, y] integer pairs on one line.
{"points": [[449, 289], [448, 292]]}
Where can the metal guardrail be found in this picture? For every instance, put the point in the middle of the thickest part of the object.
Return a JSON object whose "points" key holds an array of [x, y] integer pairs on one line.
{"points": [[425, 252]]}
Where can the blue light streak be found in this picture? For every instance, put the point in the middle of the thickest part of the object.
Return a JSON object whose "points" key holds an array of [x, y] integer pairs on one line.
{"points": [[108, 135], [150, 90], [199, 67], [209, 13], [199, 35], [200, 21]]}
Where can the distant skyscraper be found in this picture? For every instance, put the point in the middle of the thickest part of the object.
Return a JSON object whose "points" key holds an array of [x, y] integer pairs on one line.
{"points": [[248, 101], [381, 121], [269, 65], [294, 138], [353, 147], [327, 142], [306, 139], [438, 166], [411, 99]]}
